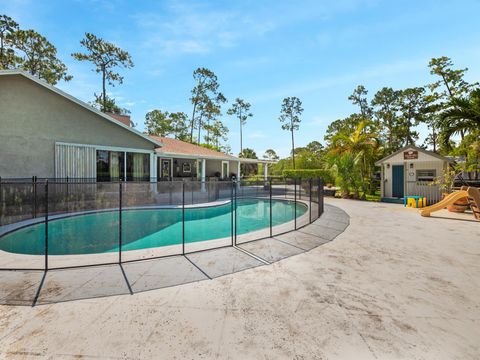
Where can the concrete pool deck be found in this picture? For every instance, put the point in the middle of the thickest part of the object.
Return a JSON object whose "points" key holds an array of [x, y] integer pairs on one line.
{"points": [[393, 285]]}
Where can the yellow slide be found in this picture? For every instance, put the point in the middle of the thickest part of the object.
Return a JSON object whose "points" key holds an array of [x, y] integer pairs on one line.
{"points": [[449, 200]]}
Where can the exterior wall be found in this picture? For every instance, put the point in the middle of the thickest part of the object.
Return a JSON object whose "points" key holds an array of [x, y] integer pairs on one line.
{"points": [[213, 166], [411, 185], [233, 168], [33, 119]]}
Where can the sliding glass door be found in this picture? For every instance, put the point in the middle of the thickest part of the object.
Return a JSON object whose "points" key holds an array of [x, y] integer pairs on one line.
{"points": [[138, 167], [111, 166]]}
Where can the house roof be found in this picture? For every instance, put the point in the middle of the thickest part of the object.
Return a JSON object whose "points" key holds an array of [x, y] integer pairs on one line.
{"points": [[182, 148], [430, 153], [178, 148], [79, 102]]}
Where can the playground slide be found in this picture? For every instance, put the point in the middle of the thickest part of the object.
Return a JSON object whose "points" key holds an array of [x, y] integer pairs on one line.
{"points": [[449, 200]]}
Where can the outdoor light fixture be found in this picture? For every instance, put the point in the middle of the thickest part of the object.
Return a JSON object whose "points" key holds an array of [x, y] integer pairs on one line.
{"points": [[411, 165], [388, 166]]}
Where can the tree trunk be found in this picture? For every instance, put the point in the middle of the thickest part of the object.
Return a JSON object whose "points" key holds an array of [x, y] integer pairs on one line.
{"points": [[293, 147], [240, 118], [104, 90], [208, 131], [241, 145], [193, 122], [199, 128]]}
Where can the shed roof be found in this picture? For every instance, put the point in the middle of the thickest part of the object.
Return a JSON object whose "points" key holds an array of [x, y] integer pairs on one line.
{"points": [[416, 148]]}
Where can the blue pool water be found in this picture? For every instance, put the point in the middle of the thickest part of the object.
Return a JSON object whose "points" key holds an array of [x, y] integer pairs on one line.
{"points": [[147, 228]]}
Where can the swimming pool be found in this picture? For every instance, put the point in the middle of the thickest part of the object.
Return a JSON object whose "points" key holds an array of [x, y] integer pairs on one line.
{"points": [[147, 228]]}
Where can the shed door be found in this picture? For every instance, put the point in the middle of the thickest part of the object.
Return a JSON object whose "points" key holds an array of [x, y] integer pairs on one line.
{"points": [[397, 181]]}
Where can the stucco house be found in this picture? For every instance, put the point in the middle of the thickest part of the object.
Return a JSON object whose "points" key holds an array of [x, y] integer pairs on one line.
{"points": [[411, 171], [48, 133]]}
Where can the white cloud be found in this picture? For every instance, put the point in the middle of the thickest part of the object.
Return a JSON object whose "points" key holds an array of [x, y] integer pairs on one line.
{"points": [[375, 71], [193, 28]]}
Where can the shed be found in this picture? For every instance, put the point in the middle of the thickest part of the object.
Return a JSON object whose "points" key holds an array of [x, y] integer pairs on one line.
{"points": [[411, 171]]}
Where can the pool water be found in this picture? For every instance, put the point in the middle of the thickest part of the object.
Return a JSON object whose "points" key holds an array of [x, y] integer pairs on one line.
{"points": [[147, 228]]}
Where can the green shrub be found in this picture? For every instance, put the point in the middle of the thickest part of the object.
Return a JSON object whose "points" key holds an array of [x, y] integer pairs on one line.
{"points": [[326, 175]]}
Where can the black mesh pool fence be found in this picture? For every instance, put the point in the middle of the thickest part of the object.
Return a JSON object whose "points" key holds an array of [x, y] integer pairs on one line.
{"points": [[64, 223]]}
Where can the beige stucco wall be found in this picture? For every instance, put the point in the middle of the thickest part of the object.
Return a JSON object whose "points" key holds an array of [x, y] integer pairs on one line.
{"points": [[33, 118], [234, 168], [214, 166]]}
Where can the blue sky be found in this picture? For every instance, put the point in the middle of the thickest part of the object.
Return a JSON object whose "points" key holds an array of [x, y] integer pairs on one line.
{"points": [[261, 51]]}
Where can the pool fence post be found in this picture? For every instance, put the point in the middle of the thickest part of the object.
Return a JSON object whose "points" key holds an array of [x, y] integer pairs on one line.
{"points": [[68, 200], [295, 201], [320, 197], [183, 217], [270, 187], [231, 208], [46, 225], [120, 201], [34, 190], [235, 219], [310, 200]]}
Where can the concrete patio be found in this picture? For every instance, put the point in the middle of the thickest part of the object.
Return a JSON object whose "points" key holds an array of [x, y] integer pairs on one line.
{"points": [[391, 285]]}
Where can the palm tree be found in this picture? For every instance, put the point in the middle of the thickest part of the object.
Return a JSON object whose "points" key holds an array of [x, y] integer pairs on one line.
{"points": [[360, 140], [346, 171], [463, 116], [363, 145]]}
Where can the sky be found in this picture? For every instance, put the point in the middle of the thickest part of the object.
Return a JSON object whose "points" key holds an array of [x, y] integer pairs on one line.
{"points": [[261, 51]]}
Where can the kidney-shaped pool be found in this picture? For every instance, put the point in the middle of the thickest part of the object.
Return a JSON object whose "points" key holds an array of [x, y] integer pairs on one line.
{"points": [[98, 232]]}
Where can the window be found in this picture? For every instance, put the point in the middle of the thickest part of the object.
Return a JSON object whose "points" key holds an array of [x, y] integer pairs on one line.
{"points": [[187, 167], [426, 175], [110, 165], [138, 167]]}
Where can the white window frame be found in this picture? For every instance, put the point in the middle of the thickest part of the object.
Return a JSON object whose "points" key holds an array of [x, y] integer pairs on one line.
{"points": [[425, 178]]}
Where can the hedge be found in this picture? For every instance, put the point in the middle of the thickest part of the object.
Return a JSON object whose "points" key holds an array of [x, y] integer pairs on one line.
{"points": [[326, 175]]}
